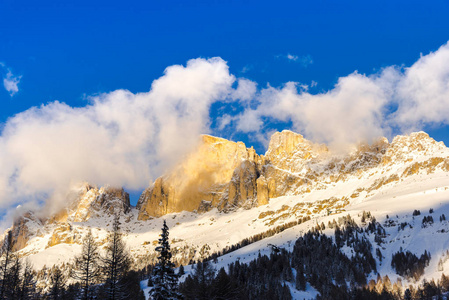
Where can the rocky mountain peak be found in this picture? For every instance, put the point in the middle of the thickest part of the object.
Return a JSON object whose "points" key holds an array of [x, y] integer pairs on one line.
{"points": [[86, 201], [23, 228], [407, 147], [290, 151], [201, 181]]}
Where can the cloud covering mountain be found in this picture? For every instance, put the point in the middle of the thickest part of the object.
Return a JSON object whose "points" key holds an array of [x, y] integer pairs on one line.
{"points": [[126, 139]]}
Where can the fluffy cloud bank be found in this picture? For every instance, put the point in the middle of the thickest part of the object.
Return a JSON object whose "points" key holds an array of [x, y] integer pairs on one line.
{"points": [[359, 107], [126, 139], [121, 138]]}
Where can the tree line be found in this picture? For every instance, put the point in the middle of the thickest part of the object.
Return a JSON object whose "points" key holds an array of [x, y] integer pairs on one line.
{"points": [[316, 260], [92, 276]]}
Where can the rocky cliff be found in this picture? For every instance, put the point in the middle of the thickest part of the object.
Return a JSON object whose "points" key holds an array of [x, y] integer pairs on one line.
{"points": [[82, 203], [226, 175], [220, 173]]}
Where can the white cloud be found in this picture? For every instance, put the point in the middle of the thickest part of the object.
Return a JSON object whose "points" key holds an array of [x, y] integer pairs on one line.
{"points": [[121, 138], [10, 81], [346, 114], [292, 57], [351, 112], [246, 90], [224, 121], [303, 60], [128, 139], [246, 69], [423, 92], [359, 107]]}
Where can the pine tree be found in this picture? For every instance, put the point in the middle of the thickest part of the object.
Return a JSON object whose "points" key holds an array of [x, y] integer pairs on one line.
{"points": [[285, 293], [57, 284], [116, 263], [87, 269], [14, 279], [181, 270], [204, 275], [300, 278], [223, 288], [164, 279], [28, 285], [7, 260]]}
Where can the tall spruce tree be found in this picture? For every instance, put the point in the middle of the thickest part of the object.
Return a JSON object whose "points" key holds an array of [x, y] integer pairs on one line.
{"points": [[7, 261], [164, 279], [87, 269], [116, 263]]}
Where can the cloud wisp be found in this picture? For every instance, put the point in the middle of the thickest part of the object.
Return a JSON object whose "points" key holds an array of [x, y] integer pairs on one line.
{"points": [[303, 60], [10, 81]]}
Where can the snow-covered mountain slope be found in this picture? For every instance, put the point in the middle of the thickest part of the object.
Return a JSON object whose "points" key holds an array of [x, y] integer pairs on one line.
{"points": [[312, 186]]}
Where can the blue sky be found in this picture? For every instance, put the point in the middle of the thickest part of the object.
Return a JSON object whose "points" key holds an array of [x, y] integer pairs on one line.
{"points": [[70, 51]]}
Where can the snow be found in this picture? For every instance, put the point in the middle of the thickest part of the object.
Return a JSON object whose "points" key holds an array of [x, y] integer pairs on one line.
{"points": [[54, 255], [396, 199], [145, 288]]}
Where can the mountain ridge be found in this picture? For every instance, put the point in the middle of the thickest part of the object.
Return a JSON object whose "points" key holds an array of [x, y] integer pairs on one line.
{"points": [[294, 179]]}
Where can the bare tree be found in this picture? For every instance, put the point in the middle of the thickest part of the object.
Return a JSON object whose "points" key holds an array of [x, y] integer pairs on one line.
{"points": [[87, 269], [116, 263]]}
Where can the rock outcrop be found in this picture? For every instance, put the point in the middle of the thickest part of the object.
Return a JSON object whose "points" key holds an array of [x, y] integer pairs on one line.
{"points": [[85, 202], [23, 228], [227, 175], [220, 173], [89, 201]]}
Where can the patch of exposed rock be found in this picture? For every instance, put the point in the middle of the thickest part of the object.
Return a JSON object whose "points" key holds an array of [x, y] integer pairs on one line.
{"points": [[225, 175]]}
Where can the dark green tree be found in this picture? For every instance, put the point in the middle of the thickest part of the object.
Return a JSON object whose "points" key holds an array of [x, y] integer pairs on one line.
{"points": [[204, 275], [14, 279], [223, 288], [165, 281]]}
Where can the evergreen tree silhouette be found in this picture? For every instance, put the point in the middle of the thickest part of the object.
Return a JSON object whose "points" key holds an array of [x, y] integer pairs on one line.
{"points": [[164, 279], [116, 263], [87, 269]]}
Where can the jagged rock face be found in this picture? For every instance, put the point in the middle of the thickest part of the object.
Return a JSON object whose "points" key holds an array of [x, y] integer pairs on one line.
{"points": [[85, 201], [227, 175], [62, 234], [405, 147], [23, 228], [88, 201], [218, 171], [291, 151]]}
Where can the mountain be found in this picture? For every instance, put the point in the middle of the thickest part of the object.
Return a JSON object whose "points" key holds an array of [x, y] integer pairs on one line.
{"points": [[223, 193]]}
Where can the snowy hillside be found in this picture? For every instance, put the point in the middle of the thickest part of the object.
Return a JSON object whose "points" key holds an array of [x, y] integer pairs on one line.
{"points": [[390, 181]]}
